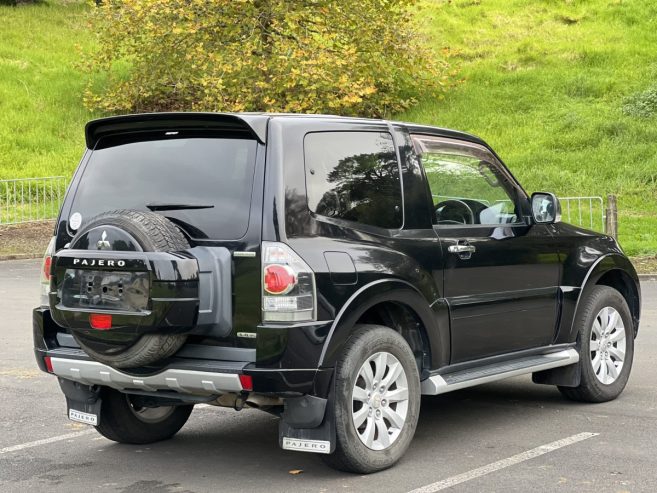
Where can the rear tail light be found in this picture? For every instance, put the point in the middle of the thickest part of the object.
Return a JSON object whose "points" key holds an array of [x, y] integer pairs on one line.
{"points": [[279, 279], [47, 264], [288, 285], [46, 271]]}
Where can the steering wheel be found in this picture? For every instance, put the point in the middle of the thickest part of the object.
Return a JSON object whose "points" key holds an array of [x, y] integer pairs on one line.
{"points": [[454, 211]]}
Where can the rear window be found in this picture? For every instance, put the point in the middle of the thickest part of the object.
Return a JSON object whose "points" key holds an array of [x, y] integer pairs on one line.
{"points": [[354, 176], [214, 174]]}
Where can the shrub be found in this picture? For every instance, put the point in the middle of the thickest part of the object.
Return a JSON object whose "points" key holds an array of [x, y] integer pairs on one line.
{"points": [[363, 57], [642, 104]]}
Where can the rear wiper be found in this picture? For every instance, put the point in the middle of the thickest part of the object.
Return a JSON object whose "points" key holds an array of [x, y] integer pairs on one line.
{"points": [[177, 207]]}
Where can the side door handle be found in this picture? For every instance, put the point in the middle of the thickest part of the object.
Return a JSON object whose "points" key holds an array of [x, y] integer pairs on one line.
{"points": [[463, 249]]}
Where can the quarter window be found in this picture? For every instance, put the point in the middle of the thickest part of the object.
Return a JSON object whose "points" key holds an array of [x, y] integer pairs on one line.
{"points": [[467, 184], [354, 176]]}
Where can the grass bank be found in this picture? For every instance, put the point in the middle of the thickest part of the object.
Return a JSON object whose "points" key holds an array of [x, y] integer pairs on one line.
{"points": [[544, 82], [41, 112]]}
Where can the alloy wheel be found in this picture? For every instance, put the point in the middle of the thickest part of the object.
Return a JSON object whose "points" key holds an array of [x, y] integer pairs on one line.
{"points": [[380, 401], [150, 414], [607, 345]]}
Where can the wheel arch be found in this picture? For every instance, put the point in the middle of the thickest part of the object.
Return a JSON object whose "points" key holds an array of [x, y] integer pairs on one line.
{"points": [[616, 271], [399, 305]]}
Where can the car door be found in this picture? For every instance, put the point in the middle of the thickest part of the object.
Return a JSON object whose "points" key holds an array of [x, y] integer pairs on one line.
{"points": [[500, 272]]}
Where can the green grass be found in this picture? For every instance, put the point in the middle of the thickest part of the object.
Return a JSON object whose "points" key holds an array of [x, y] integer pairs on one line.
{"points": [[563, 90], [545, 83], [41, 111]]}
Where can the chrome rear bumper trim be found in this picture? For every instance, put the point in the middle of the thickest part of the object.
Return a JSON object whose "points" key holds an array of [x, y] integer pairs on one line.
{"points": [[185, 381]]}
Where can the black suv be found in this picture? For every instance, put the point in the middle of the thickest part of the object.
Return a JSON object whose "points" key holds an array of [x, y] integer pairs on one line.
{"points": [[327, 270]]}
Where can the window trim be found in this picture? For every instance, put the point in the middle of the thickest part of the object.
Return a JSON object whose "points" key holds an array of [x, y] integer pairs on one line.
{"points": [[495, 161], [370, 228]]}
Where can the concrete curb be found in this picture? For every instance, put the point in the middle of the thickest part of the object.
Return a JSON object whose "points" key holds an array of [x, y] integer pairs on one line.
{"points": [[647, 277], [20, 256]]}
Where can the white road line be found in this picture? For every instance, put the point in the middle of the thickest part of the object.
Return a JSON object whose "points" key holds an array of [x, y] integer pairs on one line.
{"points": [[504, 463], [59, 438], [45, 441]]}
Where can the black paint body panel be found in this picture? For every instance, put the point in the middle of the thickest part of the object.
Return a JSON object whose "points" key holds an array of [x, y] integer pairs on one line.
{"points": [[518, 291]]}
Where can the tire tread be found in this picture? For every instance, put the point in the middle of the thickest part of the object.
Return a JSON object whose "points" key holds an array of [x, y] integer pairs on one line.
{"points": [[589, 389], [119, 424], [346, 456]]}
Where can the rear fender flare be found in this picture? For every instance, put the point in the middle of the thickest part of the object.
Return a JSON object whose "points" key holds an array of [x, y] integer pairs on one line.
{"points": [[434, 317]]}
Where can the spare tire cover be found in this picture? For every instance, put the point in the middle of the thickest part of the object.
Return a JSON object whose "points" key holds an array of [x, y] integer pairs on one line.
{"points": [[130, 230]]}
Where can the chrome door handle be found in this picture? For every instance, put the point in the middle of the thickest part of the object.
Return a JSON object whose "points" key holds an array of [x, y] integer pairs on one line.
{"points": [[461, 249]]}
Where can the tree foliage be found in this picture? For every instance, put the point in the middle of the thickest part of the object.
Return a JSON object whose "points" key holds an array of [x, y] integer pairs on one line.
{"points": [[360, 57]]}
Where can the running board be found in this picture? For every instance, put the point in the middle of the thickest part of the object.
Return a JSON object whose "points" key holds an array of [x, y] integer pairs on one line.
{"points": [[439, 384]]}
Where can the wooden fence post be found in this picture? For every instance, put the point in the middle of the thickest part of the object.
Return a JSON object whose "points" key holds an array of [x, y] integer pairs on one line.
{"points": [[611, 228]]}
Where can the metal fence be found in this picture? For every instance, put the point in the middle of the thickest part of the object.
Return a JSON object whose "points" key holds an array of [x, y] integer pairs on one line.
{"points": [[587, 212], [36, 199], [27, 200]]}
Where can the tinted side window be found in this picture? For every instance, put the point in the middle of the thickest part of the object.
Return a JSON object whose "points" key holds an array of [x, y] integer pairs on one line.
{"points": [[354, 176]]}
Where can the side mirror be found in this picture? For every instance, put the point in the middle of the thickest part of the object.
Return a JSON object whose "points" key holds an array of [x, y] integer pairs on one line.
{"points": [[546, 208]]}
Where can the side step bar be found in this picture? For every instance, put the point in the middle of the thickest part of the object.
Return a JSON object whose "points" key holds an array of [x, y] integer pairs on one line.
{"points": [[439, 384]]}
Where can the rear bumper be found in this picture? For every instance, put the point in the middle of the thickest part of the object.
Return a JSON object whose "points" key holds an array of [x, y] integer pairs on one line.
{"points": [[186, 374], [172, 379]]}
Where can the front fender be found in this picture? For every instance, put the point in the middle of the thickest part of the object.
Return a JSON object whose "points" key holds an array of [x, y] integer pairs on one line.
{"points": [[577, 280], [434, 317]]}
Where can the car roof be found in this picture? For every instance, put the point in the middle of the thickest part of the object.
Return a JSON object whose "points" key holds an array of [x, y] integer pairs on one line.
{"points": [[412, 127], [254, 123]]}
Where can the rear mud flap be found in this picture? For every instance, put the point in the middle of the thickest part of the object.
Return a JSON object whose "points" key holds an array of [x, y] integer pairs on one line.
{"points": [[308, 425], [83, 402]]}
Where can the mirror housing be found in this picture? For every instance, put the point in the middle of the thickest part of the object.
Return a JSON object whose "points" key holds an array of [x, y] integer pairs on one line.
{"points": [[546, 208]]}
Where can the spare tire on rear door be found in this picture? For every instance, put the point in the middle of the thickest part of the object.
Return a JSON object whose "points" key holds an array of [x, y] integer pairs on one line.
{"points": [[130, 230]]}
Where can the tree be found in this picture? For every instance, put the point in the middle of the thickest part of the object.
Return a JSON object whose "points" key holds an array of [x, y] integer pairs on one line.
{"points": [[362, 57]]}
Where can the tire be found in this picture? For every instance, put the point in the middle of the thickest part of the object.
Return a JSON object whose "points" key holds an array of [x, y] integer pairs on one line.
{"points": [[154, 233], [598, 382], [351, 452], [122, 422]]}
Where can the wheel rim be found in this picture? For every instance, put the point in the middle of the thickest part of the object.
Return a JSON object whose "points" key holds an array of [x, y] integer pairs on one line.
{"points": [[607, 345], [380, 401], [150, 414]]}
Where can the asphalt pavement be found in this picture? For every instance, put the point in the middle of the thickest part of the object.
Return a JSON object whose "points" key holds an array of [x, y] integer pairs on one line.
{"points": [[509, 436]]}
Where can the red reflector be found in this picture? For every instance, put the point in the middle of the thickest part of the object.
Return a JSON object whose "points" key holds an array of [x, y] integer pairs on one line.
{"points": [[279, 279], [48, 363], [247, 382], [47, 263], [100, 321]]}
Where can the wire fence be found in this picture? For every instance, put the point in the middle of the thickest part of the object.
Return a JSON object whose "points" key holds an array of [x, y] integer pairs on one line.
{"points": [[27, 200]]}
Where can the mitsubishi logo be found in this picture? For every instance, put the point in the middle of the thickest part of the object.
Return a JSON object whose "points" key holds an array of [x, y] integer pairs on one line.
{"points": [[103, 244]]}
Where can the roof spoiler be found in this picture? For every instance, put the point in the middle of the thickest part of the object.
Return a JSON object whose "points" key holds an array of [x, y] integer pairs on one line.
{"points": [[256, 125]]}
